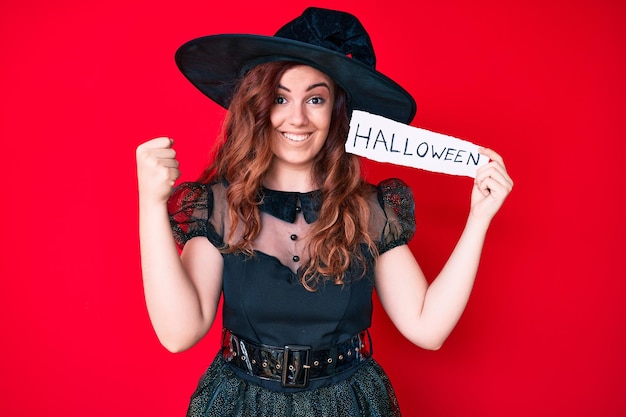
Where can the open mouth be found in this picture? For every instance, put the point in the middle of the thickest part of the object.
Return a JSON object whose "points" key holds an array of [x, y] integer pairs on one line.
{"points": [[295, 137]]}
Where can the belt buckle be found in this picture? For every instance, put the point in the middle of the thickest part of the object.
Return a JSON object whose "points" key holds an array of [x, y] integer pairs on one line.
{"points": [[296, 366]]}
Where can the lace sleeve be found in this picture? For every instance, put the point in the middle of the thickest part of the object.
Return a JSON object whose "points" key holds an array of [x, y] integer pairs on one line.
{"points": [[190, 207], [396, 200]]}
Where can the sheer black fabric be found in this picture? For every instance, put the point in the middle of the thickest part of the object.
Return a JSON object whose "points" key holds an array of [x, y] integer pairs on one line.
{"points": [[198, 209], [264, 299]]}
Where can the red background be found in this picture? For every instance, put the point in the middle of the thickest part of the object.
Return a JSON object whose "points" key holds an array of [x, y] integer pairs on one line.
{"points": [[83, 83]]}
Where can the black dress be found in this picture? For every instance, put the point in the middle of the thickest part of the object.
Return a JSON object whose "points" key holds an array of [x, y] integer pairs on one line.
{"points": [[266, 303]]}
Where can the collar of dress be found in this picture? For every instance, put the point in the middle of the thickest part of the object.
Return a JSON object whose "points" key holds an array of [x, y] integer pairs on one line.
{"points": [[286, 205]]}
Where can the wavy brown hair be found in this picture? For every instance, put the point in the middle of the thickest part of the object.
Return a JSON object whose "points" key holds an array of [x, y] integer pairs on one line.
{"points": [[342, 226]]}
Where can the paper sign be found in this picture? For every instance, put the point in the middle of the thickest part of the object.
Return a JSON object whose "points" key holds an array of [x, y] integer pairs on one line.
{"points": [[380, 139]]}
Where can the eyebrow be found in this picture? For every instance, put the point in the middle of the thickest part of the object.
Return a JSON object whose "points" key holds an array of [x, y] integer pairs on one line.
{"points": [[311, 87]]}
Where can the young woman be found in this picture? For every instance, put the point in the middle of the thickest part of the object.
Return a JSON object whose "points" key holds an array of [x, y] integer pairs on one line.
{"points": [[283, 225]]}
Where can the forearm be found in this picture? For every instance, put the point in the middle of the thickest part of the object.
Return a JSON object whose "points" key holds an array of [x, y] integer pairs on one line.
{"points": [[447, 296], [426, 314], [171, 297]]}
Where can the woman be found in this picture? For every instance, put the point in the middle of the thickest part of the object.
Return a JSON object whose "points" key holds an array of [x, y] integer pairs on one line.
{"points": [[285, 228]]}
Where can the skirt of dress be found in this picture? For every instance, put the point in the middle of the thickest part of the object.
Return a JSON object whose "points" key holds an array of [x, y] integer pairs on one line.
{"points": [[221, 393]]}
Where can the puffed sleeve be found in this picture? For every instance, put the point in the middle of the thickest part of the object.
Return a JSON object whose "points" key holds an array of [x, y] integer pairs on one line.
{"points": [[396, 200], [190, 207]]}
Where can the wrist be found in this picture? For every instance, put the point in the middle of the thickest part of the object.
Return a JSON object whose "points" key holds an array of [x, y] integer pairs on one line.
{"points": [[478, 223], [151, 207]]}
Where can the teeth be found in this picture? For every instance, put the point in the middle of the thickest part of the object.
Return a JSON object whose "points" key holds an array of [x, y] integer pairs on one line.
{"points": [[296, 138]]}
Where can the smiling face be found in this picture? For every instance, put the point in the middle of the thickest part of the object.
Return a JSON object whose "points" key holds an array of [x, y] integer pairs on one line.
{"points": [[301, 116]]}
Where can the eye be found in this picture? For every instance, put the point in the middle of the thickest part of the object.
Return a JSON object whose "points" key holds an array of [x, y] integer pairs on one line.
{"points": [[280, 100], [317, 100]]}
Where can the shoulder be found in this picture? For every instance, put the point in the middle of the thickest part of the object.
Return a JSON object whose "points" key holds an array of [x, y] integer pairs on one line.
{"points": [[393, 185], [396, 194], [191, 208], [195, 195], [392, 213], [391, 192]]}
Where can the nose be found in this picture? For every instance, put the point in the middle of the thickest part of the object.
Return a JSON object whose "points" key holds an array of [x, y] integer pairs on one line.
{"points": [[297, 115]]}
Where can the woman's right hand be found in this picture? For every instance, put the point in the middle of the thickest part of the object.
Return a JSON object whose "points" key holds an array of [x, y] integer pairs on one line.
{"points": [[157, 169]]}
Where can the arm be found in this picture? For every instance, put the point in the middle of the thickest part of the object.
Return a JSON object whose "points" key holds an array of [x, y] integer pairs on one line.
{"points": [[426, 314], [182, 292]]}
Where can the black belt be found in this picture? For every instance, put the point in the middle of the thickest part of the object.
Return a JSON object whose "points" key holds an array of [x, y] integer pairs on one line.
{"points": [[295, 365]]}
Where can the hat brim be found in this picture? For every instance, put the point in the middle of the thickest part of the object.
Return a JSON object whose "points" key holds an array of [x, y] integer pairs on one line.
{"points": [[214, 64]]}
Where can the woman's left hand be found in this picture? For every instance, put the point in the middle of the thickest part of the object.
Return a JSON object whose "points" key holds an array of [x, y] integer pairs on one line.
{"points": [[492, 186]]}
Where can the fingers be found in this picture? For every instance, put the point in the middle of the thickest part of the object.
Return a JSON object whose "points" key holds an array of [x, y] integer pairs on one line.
{"points": [[157, 143], [492, 186], [495, 169], [160, 154], [159, 147], [491, 154], [492, 179], [493, 174], [157, 168]]}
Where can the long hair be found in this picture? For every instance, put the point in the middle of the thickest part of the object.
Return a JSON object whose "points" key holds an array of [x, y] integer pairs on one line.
{"points": [[342, 226]]}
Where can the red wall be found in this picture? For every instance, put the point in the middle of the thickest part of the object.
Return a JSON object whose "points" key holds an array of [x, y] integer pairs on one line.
{"points": [[83, 83]]}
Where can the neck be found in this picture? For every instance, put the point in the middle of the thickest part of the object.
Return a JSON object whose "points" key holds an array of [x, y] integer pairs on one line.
{"points": [[285, 178]]}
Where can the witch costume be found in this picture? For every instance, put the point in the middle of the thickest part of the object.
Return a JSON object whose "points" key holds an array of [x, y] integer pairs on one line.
{"points": [[286, 350]]}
